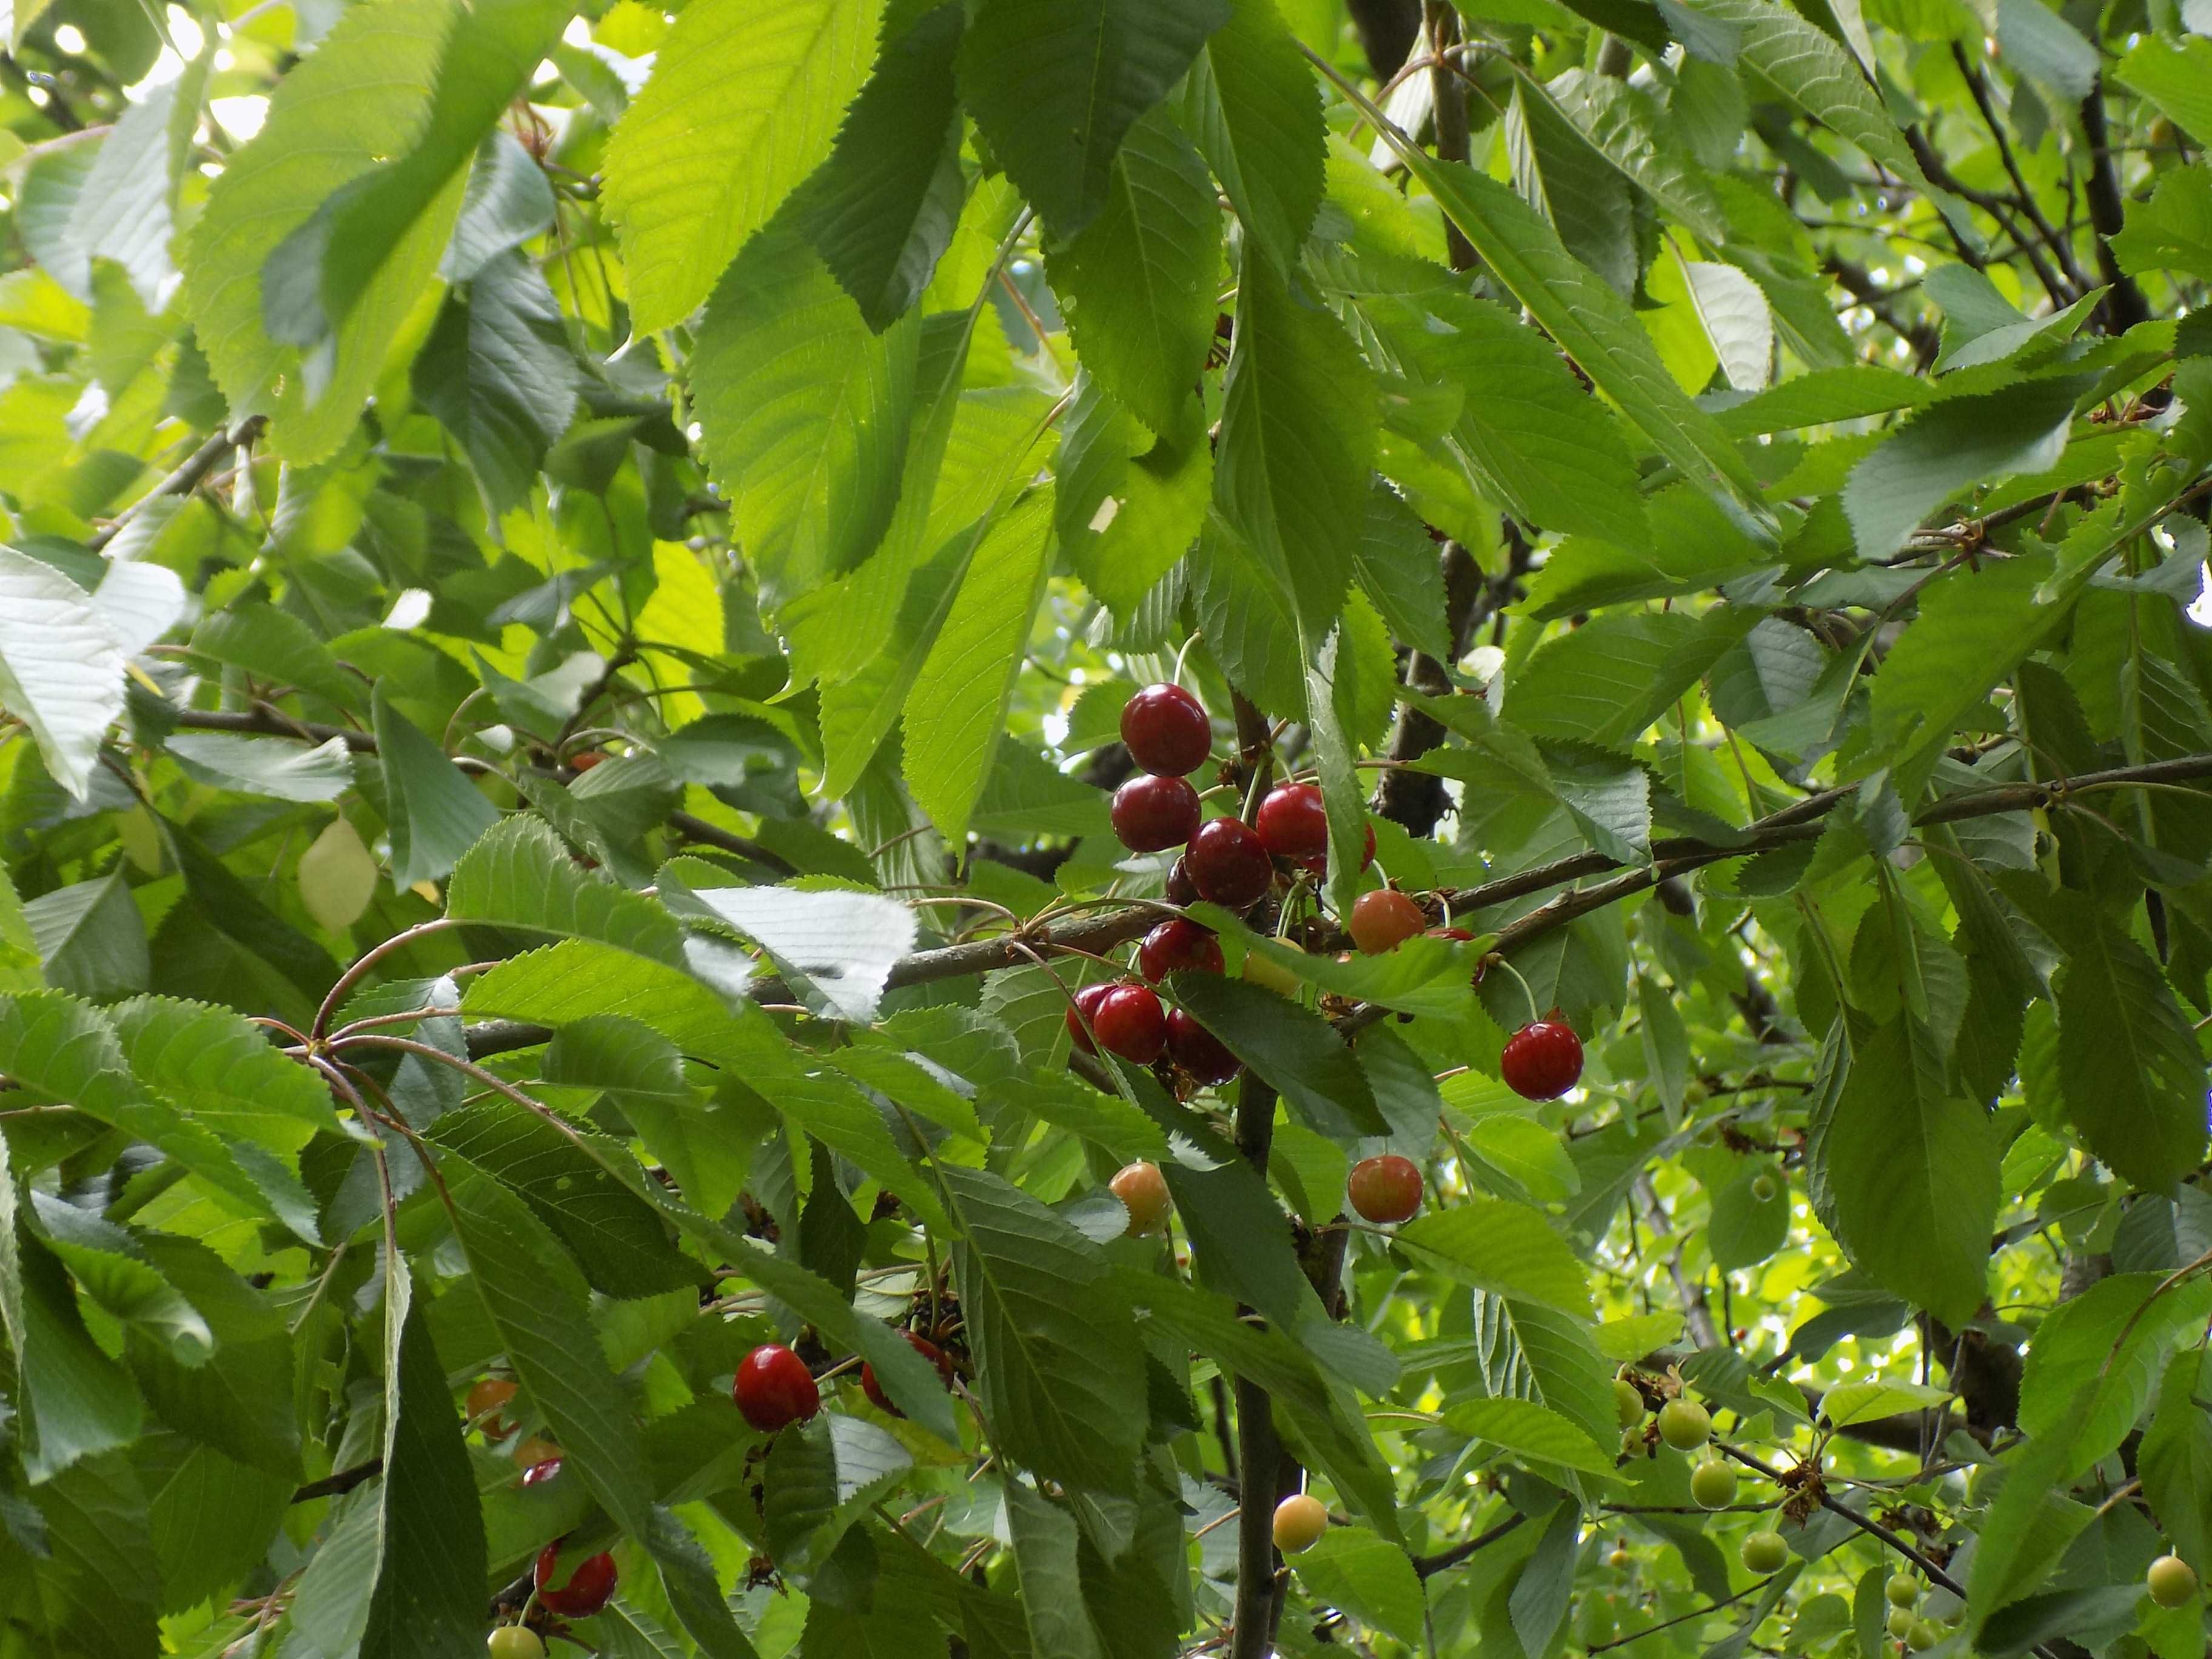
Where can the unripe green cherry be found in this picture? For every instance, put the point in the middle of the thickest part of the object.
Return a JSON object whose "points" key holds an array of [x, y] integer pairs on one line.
{"points": [[1902, 1589], [1922, 1636], [1632, 1443], [1764, 1552], [1901, 1621], [1628, 1403], [1684, 1424], [1713, 1485], [515, 1642], [1618, 1558], [1765, 1188], [2170, 1581]]}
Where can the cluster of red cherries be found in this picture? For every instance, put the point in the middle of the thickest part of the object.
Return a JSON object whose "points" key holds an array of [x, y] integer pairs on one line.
{"points": [[1232, 864]]}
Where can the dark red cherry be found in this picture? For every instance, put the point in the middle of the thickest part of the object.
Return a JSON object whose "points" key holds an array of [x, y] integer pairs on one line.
{"points": [[1085, 1006], [1294, 822], [1542, 1060], [1130, 1023], [1319, 862], [1166, 731], [1385, 1189], [589, 1588], [1229, 863], [1178, 946], [1198, 1051], [1152, 814], [922, 1345], [774, 1387], [1182, 889], [542, 1470]]}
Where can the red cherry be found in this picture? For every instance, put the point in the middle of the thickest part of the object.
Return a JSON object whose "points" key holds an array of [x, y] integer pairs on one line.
{"points": [[1386, 1189], [1182, 889], [1458, 934], [1319, 862], [1198, 1051], [589, 1588], [1178, 946], [1383, 920], [587, 760], [774, 1387], [542, 1470], [922, 1345], [1166, 731], [1152, 814], [1130, 1023], [1542, 1060], [1084, 1005], [1229, 863], [1292, 822]]}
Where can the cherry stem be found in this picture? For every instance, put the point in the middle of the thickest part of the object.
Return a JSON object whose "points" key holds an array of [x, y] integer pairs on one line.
{"points": [[1177, 675], [1534, 1013]]}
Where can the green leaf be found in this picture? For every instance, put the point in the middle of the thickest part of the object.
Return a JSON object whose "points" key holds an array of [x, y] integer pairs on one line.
{"points": [[1524, 1429], [536, 1298], [1299, 425], [956, 712], [61, 672], [211, 1523], [803, 410], [1946, 450], [435, 814], [1525, 1351], [275, 767], [620, 1244], [1256, 109], [429, 1592], [1913, 1173], [2036, 40], [1825, 395], [1528, 435], [1293, 1049], [1596, 327], [211, 1064], [1055, 85], [2172, 231], [741, 107], [76, 1402], [100, 1594], [688, 1578], [1045, 1545], [1137, 285], [240, 1401], [1869, 1402], [1128, 505], [1057, 1352], [520, 875], [275, 646], [1605, 681], [1630, 129], [1371, 1579], [2094, 1365], [506, 203], [330, 122], [2175, 1459], [2174, 75], [842, 945], [2129, 1063], [1560, 174], [1814, 72], [881, 211], [90, 938], [1504, 1248], [498, 372]]}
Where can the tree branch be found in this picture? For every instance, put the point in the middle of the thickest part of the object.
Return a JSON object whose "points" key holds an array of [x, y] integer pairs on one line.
{"points": [[186, 478], [1265, 1473], [2125, 306]]}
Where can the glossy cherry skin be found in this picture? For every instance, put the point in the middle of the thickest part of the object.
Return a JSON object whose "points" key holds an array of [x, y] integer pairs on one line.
{"points": [[1319, 862], [515, 1642], [774, 1389], [1130, 1023], [1299, 1522], [1294, 822], [1199, 1052], [1229, 863], [589, 1588], [1386, 1189], [1542, 1060], [486, 1399], [1182, 889], [542, 1470], [1178, 946], [1166, 731], [1152, 814], [922, 1345], [1084, 1005], [1383, 920]]}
